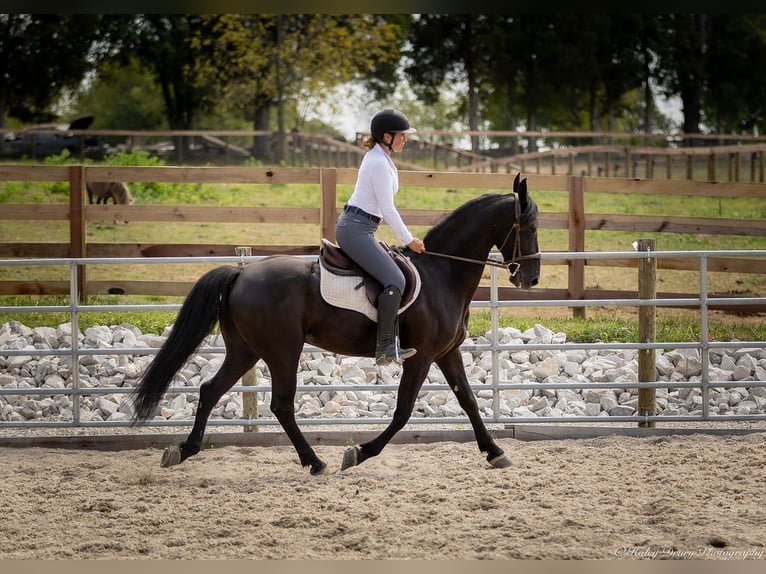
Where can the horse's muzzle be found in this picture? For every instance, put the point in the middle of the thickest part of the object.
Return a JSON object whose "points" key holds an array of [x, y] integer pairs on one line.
{"points": [[527, 275]]}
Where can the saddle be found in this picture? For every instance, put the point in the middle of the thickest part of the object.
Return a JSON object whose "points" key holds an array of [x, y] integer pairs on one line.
{"points": [[335, 261]]}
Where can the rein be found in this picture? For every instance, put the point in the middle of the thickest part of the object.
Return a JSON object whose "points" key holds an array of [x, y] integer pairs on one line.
{"points": [[511, 264]]}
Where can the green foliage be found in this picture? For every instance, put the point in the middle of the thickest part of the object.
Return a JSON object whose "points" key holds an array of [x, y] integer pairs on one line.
{"points": [[30, 191], [134, 158], [42, 55], [533, 71], [141, 106], [151, 192]]}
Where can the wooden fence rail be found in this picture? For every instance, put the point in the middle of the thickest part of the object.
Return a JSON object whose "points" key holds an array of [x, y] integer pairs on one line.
{"points": [[575, 220]]}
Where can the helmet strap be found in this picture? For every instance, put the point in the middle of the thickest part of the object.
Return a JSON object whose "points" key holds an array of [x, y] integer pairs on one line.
{"points": [[389, 144]]}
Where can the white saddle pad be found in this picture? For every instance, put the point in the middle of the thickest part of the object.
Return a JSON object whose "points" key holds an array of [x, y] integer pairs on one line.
{"points": [[347, 292]]}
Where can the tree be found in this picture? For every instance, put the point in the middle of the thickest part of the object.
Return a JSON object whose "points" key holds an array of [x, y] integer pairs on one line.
{"points": [[683, 64], [734, 95], [41, 55], [265, 61], [450, 48], [538, 35], [619, 62], [140, 105], [648, 46], [168, 46]]}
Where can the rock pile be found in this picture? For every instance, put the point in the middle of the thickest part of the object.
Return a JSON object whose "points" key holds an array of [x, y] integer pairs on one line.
{"points": [[619, 368]]}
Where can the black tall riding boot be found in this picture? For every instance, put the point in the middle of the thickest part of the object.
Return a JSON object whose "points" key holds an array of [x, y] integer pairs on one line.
{"points": [[387, 345]]}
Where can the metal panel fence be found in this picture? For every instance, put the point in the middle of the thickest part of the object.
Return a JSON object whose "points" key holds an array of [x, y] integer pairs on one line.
{"points": [[704, 345]]}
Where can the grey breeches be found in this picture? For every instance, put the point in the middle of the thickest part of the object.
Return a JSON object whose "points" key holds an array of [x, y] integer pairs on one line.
{"points": [[355, 234]]}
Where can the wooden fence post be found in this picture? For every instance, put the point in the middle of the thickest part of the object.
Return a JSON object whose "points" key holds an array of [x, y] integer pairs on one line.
{"points": [[647, 330], [77, 234], [249, 379], [328, 213], [576, 274]]}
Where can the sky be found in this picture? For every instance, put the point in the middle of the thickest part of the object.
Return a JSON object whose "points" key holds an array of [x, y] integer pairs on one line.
{"points": [[344, 108]]}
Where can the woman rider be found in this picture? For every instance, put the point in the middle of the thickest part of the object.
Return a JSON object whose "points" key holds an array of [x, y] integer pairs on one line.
{"points": [[371, 202]]}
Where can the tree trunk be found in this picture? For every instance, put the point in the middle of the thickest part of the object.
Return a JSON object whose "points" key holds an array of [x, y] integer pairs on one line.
{"points": [[691, 94], [532, 127], [281, 148], [648, 105], [261, 117], [513, 145], [594, 123], [473, 110]]}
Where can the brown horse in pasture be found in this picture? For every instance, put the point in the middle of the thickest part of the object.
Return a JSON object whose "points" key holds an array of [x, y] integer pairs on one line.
{"points": [[103, 191]]}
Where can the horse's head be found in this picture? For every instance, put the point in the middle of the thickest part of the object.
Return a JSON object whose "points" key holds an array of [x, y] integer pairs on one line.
{"points": [[518, 245]]}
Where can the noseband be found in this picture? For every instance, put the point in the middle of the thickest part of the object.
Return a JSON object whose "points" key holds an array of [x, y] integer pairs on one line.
{"points": [[512, 264]]}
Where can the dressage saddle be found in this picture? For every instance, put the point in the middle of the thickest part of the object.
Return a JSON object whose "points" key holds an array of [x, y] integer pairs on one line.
{"points": [[335, 260]]}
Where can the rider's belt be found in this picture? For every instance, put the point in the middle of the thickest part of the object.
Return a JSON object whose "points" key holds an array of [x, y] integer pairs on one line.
{"points": [[362, 212]]}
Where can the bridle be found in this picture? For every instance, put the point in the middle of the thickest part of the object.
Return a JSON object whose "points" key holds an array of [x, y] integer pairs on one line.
{"points": [[512, 264]]}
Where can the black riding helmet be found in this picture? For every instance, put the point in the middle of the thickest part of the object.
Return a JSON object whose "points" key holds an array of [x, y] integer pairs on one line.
{"points": [[389, 121]]}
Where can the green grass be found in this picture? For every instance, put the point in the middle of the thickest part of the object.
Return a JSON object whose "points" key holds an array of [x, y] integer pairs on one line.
{"points": [[601, 326], [147, 322]]}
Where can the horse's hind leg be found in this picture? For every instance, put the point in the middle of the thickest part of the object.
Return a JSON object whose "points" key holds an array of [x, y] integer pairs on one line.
{"points": [[283, 365], [283, 407], [237, 363]]}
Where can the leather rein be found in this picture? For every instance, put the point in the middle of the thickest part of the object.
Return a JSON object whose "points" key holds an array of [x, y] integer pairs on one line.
{"points": [[511, 264]]}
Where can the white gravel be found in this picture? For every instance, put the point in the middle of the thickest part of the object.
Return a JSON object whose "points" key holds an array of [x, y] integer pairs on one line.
{"points": [[25, 366]]}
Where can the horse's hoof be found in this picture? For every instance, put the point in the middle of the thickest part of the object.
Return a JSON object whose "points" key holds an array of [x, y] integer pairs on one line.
{"points": [[350, 458], [171, 457], [318, 468], [500, 461]]}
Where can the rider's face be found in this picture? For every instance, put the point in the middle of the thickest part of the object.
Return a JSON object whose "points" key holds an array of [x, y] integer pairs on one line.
{"points": [[398, 142]]}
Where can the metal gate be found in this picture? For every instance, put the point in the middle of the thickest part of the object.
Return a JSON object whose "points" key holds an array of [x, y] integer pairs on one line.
{"points": [[79, 392]]}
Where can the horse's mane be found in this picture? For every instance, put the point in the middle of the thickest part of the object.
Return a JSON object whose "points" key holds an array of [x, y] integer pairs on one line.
{"points": [[462, 214]]}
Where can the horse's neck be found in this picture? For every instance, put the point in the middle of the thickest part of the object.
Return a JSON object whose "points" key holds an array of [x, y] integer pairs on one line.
{"points": [[460, 241], [464, 265]]}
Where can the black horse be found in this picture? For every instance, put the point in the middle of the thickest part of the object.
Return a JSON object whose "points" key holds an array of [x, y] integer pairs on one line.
{"points": [[268, 309]]}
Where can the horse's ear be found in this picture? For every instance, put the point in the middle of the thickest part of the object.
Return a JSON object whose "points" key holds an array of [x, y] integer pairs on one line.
{"points": [[516, 182], [520, 189]]}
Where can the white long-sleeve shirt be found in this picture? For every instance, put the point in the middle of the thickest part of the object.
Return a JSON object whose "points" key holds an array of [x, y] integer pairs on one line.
{"points": [[376, 185]]}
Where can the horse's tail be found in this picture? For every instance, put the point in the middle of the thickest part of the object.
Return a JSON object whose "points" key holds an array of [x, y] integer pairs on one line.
{"points": [[197, 317]]}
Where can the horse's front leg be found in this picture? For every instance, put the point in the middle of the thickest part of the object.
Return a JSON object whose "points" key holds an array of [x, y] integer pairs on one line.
{"points": [[452, 367], [413, 375]]}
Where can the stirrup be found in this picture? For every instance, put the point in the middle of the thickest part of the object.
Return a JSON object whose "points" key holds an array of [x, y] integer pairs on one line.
{"points": [[393, 354]]}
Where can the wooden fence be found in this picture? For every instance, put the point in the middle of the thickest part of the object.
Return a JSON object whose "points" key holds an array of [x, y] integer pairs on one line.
{"points": [[734, 163], [575, 220]]}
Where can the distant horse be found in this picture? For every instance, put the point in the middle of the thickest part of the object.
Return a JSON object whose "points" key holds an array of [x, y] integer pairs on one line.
{"points": [[103, 191], [268, 309]]}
